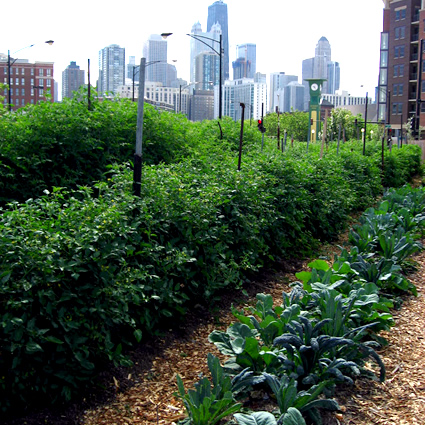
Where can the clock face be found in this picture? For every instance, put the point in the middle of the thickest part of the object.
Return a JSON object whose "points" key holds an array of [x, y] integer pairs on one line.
{"points": [[314, 86]]}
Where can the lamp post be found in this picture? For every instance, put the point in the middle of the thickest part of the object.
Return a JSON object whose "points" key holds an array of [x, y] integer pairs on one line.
{"points": [[134, 75], [137, 174], [220, 55], [365, 125], [9, 66]]}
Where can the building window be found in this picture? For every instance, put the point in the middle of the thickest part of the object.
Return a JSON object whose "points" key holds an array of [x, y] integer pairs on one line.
{"points": [[17, 81], [32, 92], [398, 52], [400, 33], [32, 71], [23, 71], [49, 72], [32, 81], [401, 71], [400, 14], [22, 81], [23, 102], [5, 70], [23, 92], [48, 82], [41, 72], [384, 58]]}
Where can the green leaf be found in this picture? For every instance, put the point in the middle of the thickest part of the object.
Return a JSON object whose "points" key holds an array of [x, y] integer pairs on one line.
{"points": [[256, 418], [33, 347], [292, 417], [138, 335]]}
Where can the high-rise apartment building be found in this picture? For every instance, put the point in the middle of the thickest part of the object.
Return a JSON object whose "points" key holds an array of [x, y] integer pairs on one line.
{"points": [[245, 65], [249, 91], [72, 79], [207, 71], [111, 69], [155, 49], [401, 72], [132, 69], [217, 12], [278, 82], [206, 45], [29, 82], [333, 77]]}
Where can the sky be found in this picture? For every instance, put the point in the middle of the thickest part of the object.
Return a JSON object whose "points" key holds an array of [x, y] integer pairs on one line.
{"points": [[286, 32]]}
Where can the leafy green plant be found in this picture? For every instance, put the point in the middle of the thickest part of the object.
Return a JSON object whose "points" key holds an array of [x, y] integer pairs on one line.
{"points": [[207, 404], [291, 417], [285, 391]]}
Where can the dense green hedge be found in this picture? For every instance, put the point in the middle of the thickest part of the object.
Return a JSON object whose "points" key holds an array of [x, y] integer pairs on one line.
{"points": [[84, 273], [66, 145]]}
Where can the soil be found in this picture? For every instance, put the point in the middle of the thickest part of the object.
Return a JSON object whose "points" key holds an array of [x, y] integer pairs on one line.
{"points": [[143, 394]]}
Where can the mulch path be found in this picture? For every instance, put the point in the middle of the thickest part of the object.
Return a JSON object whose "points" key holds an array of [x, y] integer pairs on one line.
{"points": [[143, 394]]}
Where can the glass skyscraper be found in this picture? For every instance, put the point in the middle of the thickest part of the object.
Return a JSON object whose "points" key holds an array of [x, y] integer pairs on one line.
{"points": [[217, 12], [111, 69]]}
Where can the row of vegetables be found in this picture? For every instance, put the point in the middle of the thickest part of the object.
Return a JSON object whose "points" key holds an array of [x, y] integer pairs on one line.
{"points": [[324, 333]]}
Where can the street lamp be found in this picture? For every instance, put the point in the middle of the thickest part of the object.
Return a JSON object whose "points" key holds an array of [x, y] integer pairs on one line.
{"points": [[220, 55], [134, 75], [9, 66], [137, 175]]}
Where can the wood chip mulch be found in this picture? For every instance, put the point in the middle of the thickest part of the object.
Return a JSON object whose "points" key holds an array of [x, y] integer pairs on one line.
{"points": [[144, 394]]}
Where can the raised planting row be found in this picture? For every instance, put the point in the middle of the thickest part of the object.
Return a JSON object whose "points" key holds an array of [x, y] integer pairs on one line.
{"points": [[323, 333], [85, 273]]}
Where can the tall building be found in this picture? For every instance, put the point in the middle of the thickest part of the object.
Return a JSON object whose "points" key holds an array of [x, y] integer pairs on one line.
{"points": [[294, 97], [201, 105], [217, 12], [278, 82], [249, 91], [155, 49], [333, 77], [245, 65], [206, 45], [321, 66], [111, 69], [207, 71], [72, 79], [132, 67], [401, 69], [30, 83]]}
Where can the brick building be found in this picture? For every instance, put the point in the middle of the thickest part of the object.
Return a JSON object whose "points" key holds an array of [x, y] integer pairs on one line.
{"points": [[401, 77], [29, 82]]}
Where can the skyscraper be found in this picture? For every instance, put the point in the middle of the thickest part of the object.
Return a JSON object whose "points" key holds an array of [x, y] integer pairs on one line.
{"points": [[155, 49], [278, 82], [245, 65], [72, 79], [111, 69], [321, 66], [131, 67], [333, 77], [249, 91], [207, 71], [217, 12], [197, 47]]}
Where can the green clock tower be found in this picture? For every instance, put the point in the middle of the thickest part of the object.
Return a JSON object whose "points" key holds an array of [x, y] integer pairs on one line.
{"points": [[314, 107]]}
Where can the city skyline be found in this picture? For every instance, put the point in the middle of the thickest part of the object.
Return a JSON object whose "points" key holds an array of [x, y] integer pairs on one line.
{"points": [[283, 39]]}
